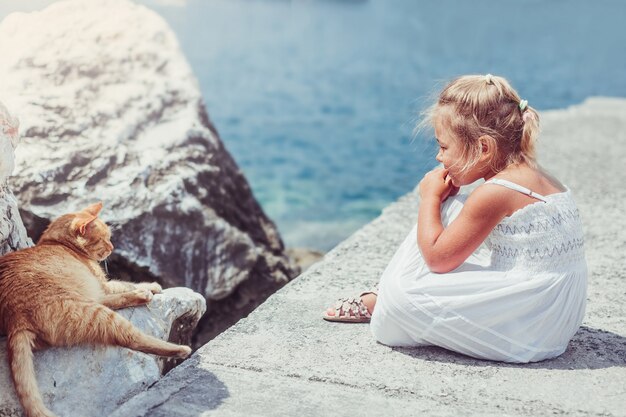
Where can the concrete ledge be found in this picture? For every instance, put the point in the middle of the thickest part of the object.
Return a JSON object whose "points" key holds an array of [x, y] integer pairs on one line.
{"points": [[283, 360]]}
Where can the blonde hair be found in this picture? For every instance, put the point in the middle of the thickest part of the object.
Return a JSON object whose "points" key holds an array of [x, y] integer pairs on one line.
{"points": [[475, 106]]}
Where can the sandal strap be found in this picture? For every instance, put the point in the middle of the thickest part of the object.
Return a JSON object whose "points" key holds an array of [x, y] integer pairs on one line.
{"points": [[374, 291], [351, 307]]}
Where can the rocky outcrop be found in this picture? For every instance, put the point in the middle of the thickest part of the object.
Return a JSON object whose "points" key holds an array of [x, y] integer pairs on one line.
{"points": [[111, 111], [94, 381], [12, 232]]}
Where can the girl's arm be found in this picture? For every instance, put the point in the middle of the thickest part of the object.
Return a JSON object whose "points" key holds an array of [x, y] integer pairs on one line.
{"points": [[444, 249]]}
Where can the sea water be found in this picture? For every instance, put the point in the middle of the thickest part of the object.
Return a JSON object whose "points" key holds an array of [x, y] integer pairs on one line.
{"points": [[317, 100]]}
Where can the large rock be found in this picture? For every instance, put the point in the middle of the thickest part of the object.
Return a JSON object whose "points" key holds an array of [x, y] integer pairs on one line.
{"points": [[93, 381], [111, 111], [12, 232]]}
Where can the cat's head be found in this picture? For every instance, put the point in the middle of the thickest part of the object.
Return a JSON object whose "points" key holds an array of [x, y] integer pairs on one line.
{"points": [[82, 230]]}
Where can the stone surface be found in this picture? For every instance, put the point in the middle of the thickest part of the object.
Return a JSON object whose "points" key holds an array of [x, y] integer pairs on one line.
{"points": [[283, 360], [12, 232], [111, 111], [93, 381]]}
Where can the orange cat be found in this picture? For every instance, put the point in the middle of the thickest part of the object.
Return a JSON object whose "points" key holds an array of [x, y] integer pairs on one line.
{"points": [[56, 294]]}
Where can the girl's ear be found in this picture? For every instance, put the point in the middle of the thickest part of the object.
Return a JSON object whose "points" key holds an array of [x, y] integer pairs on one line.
{"points": [[94, 209], [487, 147]]}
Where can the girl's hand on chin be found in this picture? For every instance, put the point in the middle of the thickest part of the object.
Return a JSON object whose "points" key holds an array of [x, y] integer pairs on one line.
{"points": [[437, 184]]}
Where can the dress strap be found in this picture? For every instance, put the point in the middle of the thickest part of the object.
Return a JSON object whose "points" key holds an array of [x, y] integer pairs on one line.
{"points": [[516, 187]]}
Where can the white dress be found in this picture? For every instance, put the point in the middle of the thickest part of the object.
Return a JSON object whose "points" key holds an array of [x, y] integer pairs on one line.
{"points": [[518, 298]]}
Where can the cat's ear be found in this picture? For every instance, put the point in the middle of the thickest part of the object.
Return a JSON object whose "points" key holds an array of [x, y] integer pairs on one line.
{"points": [[86, 216], [81, 223], [94, 209]]}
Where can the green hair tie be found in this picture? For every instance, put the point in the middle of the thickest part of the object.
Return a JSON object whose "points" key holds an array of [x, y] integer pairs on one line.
{"points": [[523, 104]]}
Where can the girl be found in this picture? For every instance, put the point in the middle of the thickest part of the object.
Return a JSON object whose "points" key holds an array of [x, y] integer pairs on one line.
{"points": [[521, 296]]}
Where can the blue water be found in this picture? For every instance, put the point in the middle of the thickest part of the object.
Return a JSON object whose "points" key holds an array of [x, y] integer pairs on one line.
{"points": [[317, 100]]}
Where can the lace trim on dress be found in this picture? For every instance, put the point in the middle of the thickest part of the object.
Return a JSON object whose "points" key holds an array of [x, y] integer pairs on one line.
{"points": [[539, 253], [539, 225]]}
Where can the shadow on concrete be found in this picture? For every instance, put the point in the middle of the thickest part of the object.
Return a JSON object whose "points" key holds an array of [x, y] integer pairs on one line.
{"points": [[179, 394], [589, 349], [203, 393]]}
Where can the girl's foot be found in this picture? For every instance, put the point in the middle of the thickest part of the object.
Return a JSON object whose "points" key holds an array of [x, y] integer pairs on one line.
{"points": [[353, 310]]}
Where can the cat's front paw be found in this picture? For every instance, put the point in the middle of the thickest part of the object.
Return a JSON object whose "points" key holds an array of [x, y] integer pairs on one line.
{"points": [[153, 287], [183, 352], [143, 295]]}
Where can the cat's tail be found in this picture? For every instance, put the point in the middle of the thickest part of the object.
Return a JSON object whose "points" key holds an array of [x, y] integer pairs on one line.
{"points": [[20, 349]]}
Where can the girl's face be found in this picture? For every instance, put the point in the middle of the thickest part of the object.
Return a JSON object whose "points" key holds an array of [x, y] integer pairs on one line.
{"points": [[451, 156]]}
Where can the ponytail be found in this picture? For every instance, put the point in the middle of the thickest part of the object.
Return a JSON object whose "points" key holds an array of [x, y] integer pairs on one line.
{"points": [[530, 132]]}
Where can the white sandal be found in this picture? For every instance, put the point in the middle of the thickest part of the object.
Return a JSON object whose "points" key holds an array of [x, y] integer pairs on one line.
{"points": [[351, 310]]}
